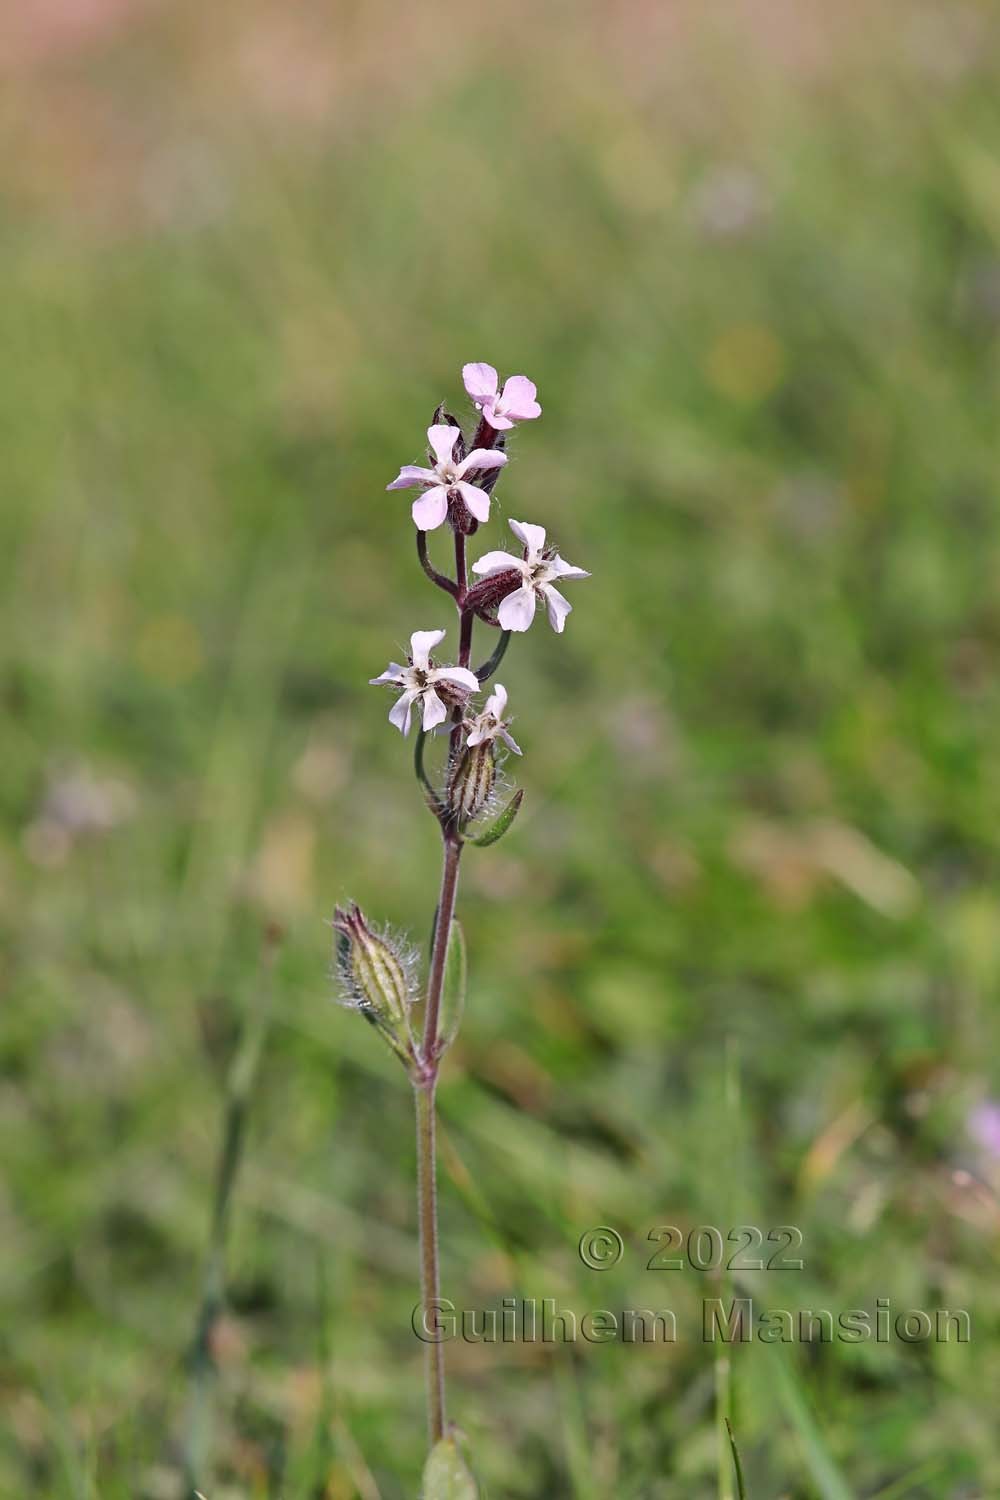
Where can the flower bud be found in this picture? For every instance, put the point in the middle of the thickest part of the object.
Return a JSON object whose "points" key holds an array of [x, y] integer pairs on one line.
{"points": [[375, 971], [470, 782], [486, 596]]}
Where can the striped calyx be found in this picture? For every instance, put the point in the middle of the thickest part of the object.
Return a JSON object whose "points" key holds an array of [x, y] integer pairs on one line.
{"points": [[470, 782], [373, 969]]}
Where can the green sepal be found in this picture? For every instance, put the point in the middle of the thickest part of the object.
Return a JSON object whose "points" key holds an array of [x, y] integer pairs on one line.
{"points": [[499, 826]]}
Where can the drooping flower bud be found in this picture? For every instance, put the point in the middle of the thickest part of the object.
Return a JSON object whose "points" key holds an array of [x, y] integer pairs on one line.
{"points": [[470, 781], [374, 969]]}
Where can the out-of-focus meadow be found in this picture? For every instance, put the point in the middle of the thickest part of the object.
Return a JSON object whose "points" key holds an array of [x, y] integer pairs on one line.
{"points": [[737, 961]]}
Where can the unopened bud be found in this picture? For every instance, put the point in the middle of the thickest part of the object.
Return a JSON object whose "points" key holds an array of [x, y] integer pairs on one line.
{"points": [[470, 782], [374, 969]]}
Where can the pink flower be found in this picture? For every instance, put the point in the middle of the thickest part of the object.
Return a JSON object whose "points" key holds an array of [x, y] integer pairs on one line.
{"points": [[984, 1126], [447, 478], [491, 724], [434, 688], [516, 403], [538, 567]]}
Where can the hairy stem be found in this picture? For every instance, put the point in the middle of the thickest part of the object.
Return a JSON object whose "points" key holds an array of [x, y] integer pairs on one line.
{"points": [[424, 1086], [439, 949], [430, 1281]]}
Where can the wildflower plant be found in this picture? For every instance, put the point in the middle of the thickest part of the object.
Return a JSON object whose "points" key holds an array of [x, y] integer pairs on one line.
{"points": [[449, 703]]}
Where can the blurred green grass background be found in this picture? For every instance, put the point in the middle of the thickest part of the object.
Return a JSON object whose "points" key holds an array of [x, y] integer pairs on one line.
{"points": [[738, 960]]}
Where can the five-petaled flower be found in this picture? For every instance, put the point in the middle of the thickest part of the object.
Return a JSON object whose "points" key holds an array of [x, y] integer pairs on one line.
{"points": [[515, 403], [491, 724], [538, 568], [434, 688], [447, 478]]}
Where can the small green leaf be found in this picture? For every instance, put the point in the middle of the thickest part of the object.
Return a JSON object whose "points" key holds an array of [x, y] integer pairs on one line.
{"points": [[456, 970], [497, 829], [446, 1475]]}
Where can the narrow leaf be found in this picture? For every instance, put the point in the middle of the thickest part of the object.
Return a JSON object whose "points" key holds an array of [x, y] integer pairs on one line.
{"points": [[456, 970], [485, 672], [741, 1488], [446, 1475], [433, 800], [823, 1467], [497, 829]]}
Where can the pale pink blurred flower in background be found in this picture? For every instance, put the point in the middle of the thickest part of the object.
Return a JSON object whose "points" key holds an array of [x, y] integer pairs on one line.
{"points": [[983, 1124]]}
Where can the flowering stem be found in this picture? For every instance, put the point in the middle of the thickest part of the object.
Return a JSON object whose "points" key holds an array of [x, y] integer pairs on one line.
{"points": [[456, 489], [461, 577]]}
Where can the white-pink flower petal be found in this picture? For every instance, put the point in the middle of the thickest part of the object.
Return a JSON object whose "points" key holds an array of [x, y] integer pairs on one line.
{"points": [[497, 701], [461, 675], [434, 710], [497, 562], [518, 399], [481, 458], [558, 607], [563, 569], [430, 509], [401, 711], [481, 381], [517, 610], [411, 474], [442, 438], [533, 537], [476, 500], [422, 643]]}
